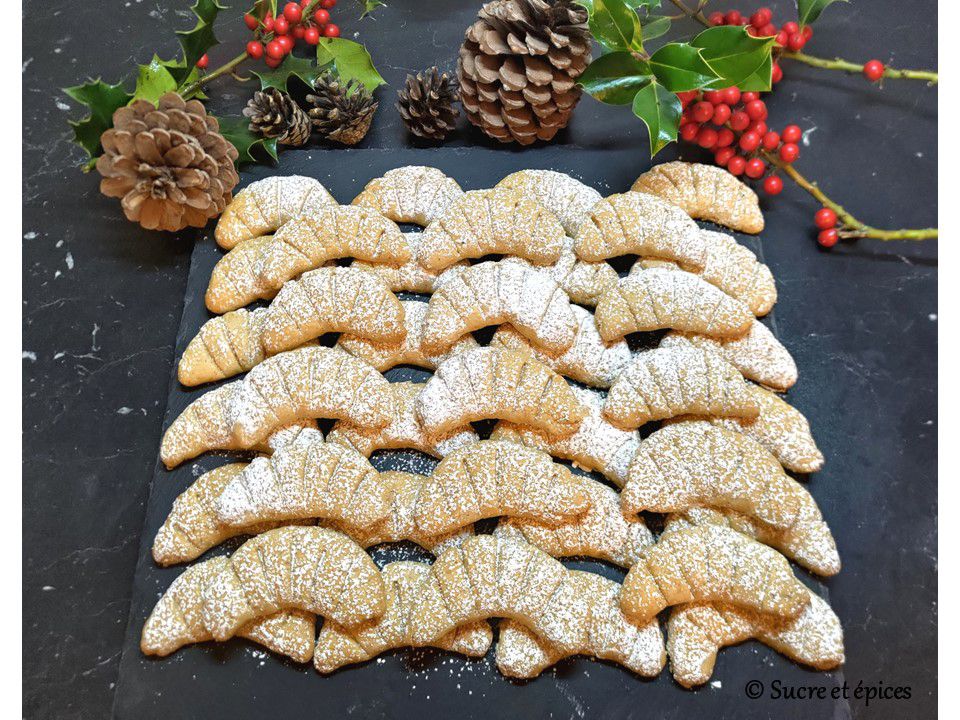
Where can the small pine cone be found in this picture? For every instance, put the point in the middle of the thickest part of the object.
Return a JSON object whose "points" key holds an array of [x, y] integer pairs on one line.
{"points": [[274, 114], [426, 104], [342, 113], [168, 162]]}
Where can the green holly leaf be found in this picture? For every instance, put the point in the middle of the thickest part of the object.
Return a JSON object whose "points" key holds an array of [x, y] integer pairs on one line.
{"points": [[614, 78], [369, 6], [292, 66], [760, 80], [103, 100], [654, 26], [732, 53], [680, 67], [660, 111], [237, 131], [351, 61], [614, 24], [809, 10], [153, 81], [197, 41]]}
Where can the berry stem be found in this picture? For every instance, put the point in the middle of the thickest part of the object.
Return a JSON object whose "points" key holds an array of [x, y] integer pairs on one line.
{"points": [[191, 89], [852, 227], [845, 66]]}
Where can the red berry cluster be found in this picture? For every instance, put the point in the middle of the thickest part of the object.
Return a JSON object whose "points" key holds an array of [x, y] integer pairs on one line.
{"points": [[275, 37]]}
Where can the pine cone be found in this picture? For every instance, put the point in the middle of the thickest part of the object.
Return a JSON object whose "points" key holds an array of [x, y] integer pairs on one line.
{"points": [[341, 112], [274, 114], [518, 65], [426, 104], [169, 163]]}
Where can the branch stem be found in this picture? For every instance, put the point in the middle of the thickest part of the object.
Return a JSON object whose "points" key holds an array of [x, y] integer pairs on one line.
{"points": [[846, 66], [224, 69]]}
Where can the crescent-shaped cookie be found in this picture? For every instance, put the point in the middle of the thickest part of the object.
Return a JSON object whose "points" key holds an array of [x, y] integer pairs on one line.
{"points": [[688, 465], [705, 192], [666, 382], [178, 619], [338, 646], [589, 359], [410, 194], [493, 479], [732, 268], [411, 276], [312, 382], [758, 355], [486, 222], [225, 346], [492, 293], [403, 496], [821, 558], [607, 636], [308, 568], [404, 431], [639, 224], [304, 480], [567, 198], [257, 268], [658, 299], [332, 299], [263, 206], [696, 632], [408, 351], [596, 445], [487, 383], [582, 281], [715, 564], [602, 532]]}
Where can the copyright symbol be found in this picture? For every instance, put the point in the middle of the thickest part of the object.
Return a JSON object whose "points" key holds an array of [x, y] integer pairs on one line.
{"points": [[753, 689]]}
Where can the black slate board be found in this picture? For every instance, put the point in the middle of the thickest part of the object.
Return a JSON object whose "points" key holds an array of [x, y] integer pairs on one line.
{"points": [[239, 680]]}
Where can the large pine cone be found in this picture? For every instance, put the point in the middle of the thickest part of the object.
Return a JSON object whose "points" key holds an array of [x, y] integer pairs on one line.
{"points": [[518, 65], [274, 114], [426, 104], [341, 112], [169, 164]]}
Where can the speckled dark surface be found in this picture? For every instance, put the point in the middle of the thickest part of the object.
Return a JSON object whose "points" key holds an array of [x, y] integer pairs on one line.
{"points": [[103, 303]]}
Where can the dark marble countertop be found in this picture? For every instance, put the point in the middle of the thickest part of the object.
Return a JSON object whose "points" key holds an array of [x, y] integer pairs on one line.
{"points": [[103, 301]]}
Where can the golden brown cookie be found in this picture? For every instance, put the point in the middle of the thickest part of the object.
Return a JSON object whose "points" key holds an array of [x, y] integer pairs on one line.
{"points": [[338, 646], [410, 194], [667, 382], [497, 383], [263, 206], [567, 198], [411, 276], [584, 282], [705, 192]]}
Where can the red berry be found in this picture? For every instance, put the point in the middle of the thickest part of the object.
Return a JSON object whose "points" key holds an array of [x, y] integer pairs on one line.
{"points": [[770, 140], [281, 26], [203, 61], [782, 38], [806, 31], [772, 185], [791, 134], [299, 31], [707, 137], [305, 3], [749, 141], [873, 70], [733, 18], [790, 27], [255, 49], [725, 137], [723, 155], [752, 31], [689, 131], [273, 62], [268, 23], [789, 152], [328, 4], [321, 17], [739, 121], [721, 113], [749, 97], [286, 42], [275, 50], [702, 111], [736, 165], [331, 30], [776, 75], [292, 12], [686, 96], [759, 127], [768, 30], [311, 35], [755, 168], [825, 218], [251, 22], [828, 238], [716, 18], [796, 41], [714, 97], [756, 109], [731, 95], [761, 17]]}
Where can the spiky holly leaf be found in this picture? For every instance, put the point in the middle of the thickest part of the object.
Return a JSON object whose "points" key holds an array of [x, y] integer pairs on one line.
{"points": [[103, 100], [237, 131], [351, 61], [615, 77], [197, 41], [761, 80], [809, 10], [732, 53], [680, 67], [292, 66], [655, 26], [614, 24], [660, 111], [369, 6], [153, 80]]}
